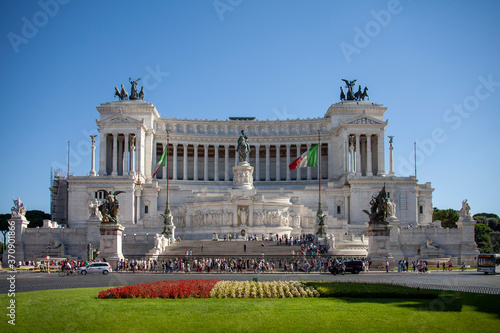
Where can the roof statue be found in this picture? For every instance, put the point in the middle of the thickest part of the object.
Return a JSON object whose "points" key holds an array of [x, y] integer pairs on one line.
{"points": [[123, 94], [351, 96], [133, 89]]}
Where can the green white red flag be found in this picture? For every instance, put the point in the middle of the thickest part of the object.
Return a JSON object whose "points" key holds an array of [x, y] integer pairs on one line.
{"points": [[308, 159], [161, 163]]}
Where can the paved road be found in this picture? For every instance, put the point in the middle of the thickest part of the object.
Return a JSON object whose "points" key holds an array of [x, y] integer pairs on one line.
{"points": [[458, 281]]}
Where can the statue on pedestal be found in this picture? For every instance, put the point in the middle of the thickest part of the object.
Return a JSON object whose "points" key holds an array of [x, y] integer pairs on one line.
{"points": [[109, 209], [18, 210], [243, 147], [379, 208], [464, 212]]}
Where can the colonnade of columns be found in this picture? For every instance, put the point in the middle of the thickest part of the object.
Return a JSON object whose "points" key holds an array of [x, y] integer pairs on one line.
{"points": [[211, 162], [366, 152], [119, 149]]}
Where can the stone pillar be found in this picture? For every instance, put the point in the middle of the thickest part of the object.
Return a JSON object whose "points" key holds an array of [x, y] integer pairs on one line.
{"points": [[369, 171], [351, 153], [174, 162], [278, 166], [115, 154], [205, 163], [308, 169], [132, 158], [358, 156], [287, 162], [381, 158], [154, 157], [329, 167], [111, 242], [379, 244], [149, 155], [92, 162], [236, 157], [268, 164], [126, 150], [102, 153], [257, 162], [391, 161], [120, 156], [298, 169], [216, 163], [226, 163], [346, 207], [195, 164], [185, 163], [20, 224]]}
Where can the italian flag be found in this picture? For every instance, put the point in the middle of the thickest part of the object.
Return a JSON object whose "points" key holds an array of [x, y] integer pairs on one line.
{"points": [[308, 159], [161, 163]]}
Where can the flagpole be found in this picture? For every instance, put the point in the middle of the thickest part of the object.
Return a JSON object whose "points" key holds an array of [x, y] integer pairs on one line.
{"points": [[319, 167], [167, 209]]}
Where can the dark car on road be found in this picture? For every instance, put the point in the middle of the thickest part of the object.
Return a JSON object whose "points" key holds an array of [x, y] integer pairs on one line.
{"points": [[354, 266]]}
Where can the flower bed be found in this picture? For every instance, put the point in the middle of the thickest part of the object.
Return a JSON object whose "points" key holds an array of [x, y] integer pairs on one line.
{"points": [[247, 289], [162, 289], [211, 288]]}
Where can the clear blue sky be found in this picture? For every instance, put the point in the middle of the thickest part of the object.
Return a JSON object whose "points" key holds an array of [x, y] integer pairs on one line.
{"points": [[429, 62]]}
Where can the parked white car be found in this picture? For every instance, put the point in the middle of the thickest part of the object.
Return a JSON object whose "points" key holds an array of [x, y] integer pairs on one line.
{"points": [[96, 267]]}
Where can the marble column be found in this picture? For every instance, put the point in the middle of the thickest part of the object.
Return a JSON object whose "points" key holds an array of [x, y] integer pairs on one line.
{"points": [[174, 162], [185, 163], [115, 154], [287, 162], [381, 157], [268, 164], [120, 156], [103, 138], [257, 162], [132, 157], [226, 163], [358, 156], [205, 163], [216, 163], [154, 157], [126, 150], [298, 169], [278, 165], [369, 171], [329, 166], [92, 162], [195, 164], [308, 169]]}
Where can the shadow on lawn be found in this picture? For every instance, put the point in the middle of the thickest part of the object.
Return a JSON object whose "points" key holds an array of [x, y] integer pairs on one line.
{"points": [[417, 299]]}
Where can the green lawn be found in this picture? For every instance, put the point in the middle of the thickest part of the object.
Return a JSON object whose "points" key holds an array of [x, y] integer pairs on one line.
{"points": [[79, 310]]}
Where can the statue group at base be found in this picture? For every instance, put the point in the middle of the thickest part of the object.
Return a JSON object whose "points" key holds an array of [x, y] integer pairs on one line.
{"points": [[109, 209]]}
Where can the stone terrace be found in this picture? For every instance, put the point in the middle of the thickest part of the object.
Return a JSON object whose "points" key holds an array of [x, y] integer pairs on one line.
{"points": [[231, 248]]}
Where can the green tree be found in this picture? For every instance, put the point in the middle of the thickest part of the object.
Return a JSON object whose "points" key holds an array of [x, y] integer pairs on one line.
{"points": [[36, 218], [483, 238], [4, 228], [448, 217]]}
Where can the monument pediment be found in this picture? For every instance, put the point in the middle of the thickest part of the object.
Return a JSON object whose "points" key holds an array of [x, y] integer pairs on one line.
{"points": [[364, 120], [119, 119]]}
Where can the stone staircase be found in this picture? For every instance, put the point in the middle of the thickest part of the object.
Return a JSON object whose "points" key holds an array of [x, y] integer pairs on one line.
{"points": [[230, 248]]}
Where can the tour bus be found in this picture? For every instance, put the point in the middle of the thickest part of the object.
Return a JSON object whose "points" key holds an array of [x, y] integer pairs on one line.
{"points": [[488, 263]]}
